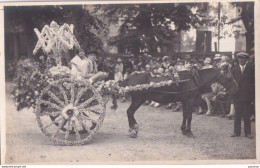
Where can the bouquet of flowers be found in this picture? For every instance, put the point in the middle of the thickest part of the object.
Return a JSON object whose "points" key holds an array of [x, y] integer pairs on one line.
{"points": [[30, 79]]}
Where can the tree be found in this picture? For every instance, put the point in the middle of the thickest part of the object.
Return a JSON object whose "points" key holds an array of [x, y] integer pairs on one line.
{"points": [[147, 27]]}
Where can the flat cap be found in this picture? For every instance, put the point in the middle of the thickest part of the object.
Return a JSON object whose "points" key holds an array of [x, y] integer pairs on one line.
{"points": [[242, 55]]}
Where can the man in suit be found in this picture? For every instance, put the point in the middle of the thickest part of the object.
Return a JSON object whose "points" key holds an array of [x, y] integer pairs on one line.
{"points": [[244, 75]]}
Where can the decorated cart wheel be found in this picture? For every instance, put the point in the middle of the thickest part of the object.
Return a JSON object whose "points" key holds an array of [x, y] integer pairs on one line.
{"points": [[70, 112]]}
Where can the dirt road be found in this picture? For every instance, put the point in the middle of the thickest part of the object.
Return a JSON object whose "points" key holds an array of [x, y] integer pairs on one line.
{"points": [[159, 139]]}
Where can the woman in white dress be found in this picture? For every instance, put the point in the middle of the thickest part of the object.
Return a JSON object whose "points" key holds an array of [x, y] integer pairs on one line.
{"points": [[77, 65], [86, 67]]}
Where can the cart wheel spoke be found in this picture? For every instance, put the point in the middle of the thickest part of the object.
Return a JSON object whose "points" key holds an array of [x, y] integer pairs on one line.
{"points": [[86, 117], [61, 124], [95, 111], [76, 131], [72, 92], [56, 98], [51, 114], [79, 95], [55, 106], [81, 121], [68, 131], [87, 102], [63, 92]]}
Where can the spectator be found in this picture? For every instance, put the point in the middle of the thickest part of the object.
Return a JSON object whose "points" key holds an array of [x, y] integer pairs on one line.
{"points": [[245, 78], [118, 75], [216, 62], [119, 65], [226, 60], [127, 65], [179, 65], [166, 63], [187, 63], [109, 68], [207, 63]]}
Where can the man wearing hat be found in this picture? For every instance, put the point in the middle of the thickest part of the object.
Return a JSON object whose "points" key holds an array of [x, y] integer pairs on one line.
{"points": [[244, 75]]}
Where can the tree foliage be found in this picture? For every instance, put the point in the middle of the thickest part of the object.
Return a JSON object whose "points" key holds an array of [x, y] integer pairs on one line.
{"points": [[148, 26]]}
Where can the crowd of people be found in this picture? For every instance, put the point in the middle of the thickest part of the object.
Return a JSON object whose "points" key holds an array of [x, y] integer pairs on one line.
{"points": [[89, 66]]}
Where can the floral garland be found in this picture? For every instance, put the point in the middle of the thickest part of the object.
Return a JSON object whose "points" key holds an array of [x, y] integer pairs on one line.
{"points": [[59, 70], [129, 89], [112, 87]]}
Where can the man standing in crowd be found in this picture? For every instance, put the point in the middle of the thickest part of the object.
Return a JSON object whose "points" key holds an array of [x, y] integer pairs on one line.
{"points": [[244, 75]]}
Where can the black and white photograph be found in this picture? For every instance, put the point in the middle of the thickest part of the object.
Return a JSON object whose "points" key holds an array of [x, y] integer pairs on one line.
{"points": [[116, 82]]}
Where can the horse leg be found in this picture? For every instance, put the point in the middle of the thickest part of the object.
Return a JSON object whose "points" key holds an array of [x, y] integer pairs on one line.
{"points": [[189, 107], [183, 126], [135, 104]]}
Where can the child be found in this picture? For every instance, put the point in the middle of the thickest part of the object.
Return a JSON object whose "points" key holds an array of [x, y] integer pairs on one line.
{"points": [[126, 76], [118, 75]]}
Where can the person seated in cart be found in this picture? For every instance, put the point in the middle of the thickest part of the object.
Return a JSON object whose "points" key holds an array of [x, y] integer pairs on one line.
{"points": [[86, 67]]}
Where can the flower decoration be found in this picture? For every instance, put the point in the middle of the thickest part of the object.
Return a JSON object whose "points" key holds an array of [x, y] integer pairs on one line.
{"points": [[30, 79]]}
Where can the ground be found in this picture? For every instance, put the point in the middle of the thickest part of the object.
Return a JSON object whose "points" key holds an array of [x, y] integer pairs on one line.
{"points": [[159, 139]]}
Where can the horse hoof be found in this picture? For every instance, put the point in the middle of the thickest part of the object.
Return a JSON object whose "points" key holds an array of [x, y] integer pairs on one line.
{"points": [[133, 134], [190, 134], [183, 131]]}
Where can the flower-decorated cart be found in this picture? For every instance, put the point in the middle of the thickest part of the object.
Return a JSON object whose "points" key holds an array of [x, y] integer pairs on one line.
{"points": [[68, 111]]}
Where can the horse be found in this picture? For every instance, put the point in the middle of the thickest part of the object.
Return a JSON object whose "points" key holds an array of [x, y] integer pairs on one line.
{"points": [[187, 90]]}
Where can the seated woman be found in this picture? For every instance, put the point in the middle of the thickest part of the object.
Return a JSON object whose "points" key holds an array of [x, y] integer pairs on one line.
{"points": [[76, 65], [86, 67]]}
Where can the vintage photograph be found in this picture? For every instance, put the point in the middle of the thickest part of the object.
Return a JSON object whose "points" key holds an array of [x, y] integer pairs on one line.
{"points": [[129, 83]]}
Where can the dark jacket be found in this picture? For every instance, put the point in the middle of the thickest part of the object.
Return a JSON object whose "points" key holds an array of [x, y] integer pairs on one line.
{"points": [[246, 83]]}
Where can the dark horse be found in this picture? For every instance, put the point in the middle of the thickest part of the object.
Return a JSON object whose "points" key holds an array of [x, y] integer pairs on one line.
{"points": [[187, 91]]}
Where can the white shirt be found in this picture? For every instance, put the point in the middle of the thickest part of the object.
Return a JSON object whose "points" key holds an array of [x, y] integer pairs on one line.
{"points": [[243, 68], [76, 67]]}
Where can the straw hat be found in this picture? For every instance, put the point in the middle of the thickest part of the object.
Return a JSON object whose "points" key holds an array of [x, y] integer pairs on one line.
{"points": [[217, 56]]}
